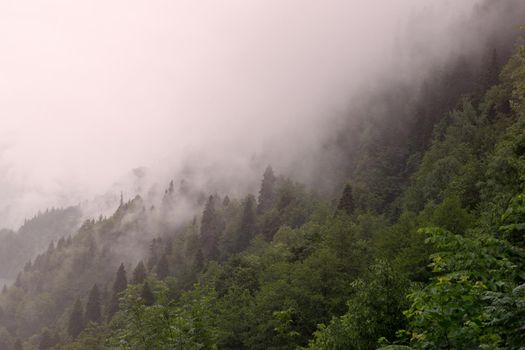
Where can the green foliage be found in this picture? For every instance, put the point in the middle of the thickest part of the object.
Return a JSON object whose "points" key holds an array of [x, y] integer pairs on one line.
{"points": [[147, 295], [346, 202], [211, 230], [139, 274], [76, 320], [119, 285], [247, 225], [266, 198], [475, 300], [375, 310], [164, 325], [513, 221], [162, 268], [94, 337], [93, 306]]}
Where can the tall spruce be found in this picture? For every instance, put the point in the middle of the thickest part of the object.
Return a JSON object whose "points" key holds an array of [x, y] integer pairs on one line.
{"points": [[266, 198], [162, 268], [120, 284], [346, 203], [155, 249], [246, 229], [210, 230], [139, 274], [93, 307], [76, 320], [147, 295]]}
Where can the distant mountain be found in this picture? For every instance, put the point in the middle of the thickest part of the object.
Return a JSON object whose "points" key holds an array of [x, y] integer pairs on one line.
{"points": [[34, 236]]}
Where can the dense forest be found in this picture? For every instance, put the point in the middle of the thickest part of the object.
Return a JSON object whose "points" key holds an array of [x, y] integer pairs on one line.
{"points": [[422, 248]]}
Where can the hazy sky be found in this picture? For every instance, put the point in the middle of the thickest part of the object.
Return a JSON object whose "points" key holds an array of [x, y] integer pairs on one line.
{"points": [[92, 89]]}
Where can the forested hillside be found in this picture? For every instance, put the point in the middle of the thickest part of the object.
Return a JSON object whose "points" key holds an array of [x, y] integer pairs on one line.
{"points": [[33, 237], [423, 248]]}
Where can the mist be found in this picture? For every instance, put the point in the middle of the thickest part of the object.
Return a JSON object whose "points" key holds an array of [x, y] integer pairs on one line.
{"points": [[91, 90]]}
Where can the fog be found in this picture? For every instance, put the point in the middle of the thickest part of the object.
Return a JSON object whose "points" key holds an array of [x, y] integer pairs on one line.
{"points": [[90, 90]]}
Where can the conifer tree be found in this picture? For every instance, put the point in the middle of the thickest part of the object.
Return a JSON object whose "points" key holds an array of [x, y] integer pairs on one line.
{"points": [[198, 261], [76, 320], [267, 192], [139, 274], [154, 252], [147, 295], [120, 284], [346, 203], [93, 307], [162, 268], [210, 230], [246, 229], [121, 281]]}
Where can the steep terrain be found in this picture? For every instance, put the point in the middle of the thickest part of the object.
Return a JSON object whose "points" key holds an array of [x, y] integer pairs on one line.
{"points": [[423, 247], [33, 237]]}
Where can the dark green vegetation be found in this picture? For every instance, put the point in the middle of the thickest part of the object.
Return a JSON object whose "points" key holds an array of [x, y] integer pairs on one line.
{"points": [[423, 249]]}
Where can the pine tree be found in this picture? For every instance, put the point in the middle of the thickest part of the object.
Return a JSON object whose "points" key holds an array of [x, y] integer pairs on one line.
{"points": [[147, 295], [120, 284], [93, 307], [246, 229], [4, 289], [154, 252], [267, 192], [210, 230], [162, 268], [139, 274], [490, 69], [346, 203], [121, 281], [76, 320], [198, 261]]}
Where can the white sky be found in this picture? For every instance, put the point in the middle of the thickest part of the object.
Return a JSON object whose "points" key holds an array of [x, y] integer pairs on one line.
{"points": [[91, 89]]}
